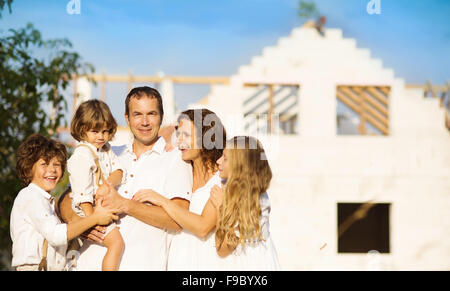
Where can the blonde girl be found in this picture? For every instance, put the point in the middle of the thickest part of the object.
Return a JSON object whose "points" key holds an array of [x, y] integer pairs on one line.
{"points": [[92, 162], [242, 228]]}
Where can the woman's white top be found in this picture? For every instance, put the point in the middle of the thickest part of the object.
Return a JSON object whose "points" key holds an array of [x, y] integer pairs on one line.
{"points": [[33, 218], [82, 172], [189, 252]]}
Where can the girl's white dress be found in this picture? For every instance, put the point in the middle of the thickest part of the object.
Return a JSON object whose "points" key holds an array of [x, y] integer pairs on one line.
{"points": [[259, 255], [189, 252]]}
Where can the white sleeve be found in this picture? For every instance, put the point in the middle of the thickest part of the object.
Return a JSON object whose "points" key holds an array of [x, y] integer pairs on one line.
{"points": [[117, 165], [81, 167], [178, 182], [264, 219], [46, 222]]}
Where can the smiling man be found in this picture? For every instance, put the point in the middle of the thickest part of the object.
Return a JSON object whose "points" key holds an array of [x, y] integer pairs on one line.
{"points": [[144, 227]]}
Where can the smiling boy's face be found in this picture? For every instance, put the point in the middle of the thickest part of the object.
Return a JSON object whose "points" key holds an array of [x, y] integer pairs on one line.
{"points": [[46, 175]]}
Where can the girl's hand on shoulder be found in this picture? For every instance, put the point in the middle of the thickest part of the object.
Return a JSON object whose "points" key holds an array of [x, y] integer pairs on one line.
{"points": [[217, 194], [148, 195]]}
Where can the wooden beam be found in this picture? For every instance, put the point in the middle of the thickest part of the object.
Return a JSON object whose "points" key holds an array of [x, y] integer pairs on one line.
{"points": [[378, 96], [385, 90], [424, 87], [269, 83], [367, 98], [350, 93], [346, 100], [377, 105], [159, 79]]}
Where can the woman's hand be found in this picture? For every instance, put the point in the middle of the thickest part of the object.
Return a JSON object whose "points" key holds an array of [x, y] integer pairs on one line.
{"points": [[217, 194], [148, 195]]}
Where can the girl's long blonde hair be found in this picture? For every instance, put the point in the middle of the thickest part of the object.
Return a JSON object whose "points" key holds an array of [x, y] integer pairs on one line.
{"points": [[249, 176]]}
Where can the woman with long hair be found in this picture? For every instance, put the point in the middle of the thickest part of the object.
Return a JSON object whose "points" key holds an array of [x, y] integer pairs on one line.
{"points": [[201, 138]]}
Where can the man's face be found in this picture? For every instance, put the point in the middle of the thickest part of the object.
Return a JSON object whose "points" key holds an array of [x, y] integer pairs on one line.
{"points": [[144, 119]]}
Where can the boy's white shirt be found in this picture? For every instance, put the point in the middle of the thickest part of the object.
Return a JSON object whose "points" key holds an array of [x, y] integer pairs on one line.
{"points": [[81, 167], [33, 218]]}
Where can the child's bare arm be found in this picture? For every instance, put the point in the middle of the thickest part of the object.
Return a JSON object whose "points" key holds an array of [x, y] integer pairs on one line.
{"points": [[115, 178], [87, 208]]}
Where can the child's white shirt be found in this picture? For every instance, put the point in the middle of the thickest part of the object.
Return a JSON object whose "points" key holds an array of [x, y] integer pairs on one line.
{"points": [[33, 218], [82, 172]]}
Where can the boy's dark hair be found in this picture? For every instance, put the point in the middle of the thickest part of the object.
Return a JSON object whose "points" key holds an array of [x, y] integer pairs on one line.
{"points": [[34, 148], [149, 92]]}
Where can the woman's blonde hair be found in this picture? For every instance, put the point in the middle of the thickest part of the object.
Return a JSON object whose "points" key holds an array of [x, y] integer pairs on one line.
{"points": [[92, 114], [249, 176]]}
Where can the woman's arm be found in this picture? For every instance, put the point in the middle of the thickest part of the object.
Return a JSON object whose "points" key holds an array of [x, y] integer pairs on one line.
{"points": [[200, 225]]}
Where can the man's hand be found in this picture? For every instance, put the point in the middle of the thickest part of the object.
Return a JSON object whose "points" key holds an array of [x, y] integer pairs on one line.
{"points": [[95, 234]]}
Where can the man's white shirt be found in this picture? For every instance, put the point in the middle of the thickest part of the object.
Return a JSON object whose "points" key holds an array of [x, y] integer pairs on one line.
{"points": [[146, 246]]}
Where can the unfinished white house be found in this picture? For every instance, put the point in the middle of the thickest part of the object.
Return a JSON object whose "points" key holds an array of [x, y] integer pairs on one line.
{"points": [[361, 163]]}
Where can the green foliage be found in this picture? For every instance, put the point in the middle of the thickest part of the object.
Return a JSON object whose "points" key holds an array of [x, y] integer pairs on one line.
{"points": [[307, 9], [34, 72], [2, 5]]}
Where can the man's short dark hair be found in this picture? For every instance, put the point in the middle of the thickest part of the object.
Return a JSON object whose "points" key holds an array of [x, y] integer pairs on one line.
{"points": [[144, 91]]}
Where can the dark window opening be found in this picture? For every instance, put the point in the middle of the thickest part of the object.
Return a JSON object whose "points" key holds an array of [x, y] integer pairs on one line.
{"points": [[363, 227]]}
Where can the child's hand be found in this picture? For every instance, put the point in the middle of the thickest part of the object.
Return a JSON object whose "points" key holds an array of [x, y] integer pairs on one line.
{"points": [[148, 195], [104, 215], [217, 194], [102, 191]]}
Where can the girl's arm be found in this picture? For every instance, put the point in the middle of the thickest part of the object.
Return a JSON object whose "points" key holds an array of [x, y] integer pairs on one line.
{"points": [[200, 225], [87, 208], [225, 248]]}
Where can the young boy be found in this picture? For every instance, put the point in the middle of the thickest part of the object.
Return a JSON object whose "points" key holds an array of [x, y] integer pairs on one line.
{"points": [[40, 165]]}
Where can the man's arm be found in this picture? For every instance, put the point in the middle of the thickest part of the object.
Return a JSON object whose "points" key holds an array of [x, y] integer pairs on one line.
{"points": [[155, 215], [149, 214]]}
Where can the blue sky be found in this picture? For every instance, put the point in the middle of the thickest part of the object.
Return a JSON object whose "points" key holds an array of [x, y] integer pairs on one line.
{"points": [[215, 37]]}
